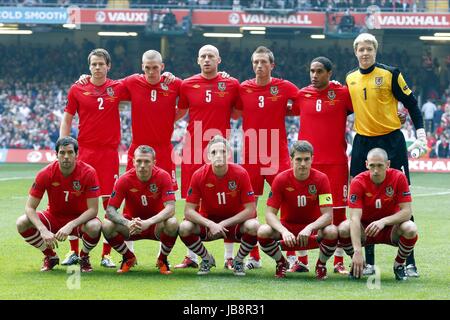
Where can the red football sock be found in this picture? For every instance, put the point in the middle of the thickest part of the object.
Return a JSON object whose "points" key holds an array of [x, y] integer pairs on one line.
{"points": [[106, 249], [405, 247], [74, 246], [167, 243], [255, 253], [118, 243]]}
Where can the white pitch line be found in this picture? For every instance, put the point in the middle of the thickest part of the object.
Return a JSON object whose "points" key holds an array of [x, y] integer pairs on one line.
{"points": [[15, 178], [430, 194]]}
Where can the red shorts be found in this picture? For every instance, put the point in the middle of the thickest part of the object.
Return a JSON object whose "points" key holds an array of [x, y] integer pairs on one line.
{"points": [[187, 170], [384, 236], [313, 242], [53, 224], [233, 234], [105, 163], [149, 234], [163, 160], [257, 174], [338, 176]]}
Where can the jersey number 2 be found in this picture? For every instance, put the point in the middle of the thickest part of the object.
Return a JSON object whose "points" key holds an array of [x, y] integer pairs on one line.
{"points": [[100, 104]]}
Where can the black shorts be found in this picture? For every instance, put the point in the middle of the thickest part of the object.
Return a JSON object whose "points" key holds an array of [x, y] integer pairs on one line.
{"points": [[393, 143]]}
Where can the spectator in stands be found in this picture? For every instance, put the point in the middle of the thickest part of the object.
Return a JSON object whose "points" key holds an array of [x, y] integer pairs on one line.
{"points": [[428, 110]]}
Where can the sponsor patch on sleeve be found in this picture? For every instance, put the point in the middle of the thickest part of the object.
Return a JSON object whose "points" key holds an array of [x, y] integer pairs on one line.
{"points": [[113, 194], [270, 194], [325, 199], [189, 191], [353, 198], [95, 188], [170, 192], [407, 193], [250, 193]]}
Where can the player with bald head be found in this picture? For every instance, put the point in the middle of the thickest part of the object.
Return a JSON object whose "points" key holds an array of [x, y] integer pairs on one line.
{"points": [[380, 212], [209, 98]]}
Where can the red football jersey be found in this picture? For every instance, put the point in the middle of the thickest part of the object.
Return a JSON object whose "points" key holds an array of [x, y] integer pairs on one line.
{"points": [[142, 199], [210, 102], [153, 109], [67, 196], [378, 201], [300, 201], [98, 112], [264, 110], [323, 119], [220, 197]]}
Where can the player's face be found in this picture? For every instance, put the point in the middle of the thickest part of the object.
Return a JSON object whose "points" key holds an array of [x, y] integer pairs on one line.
{"points": [[301, 163], [377, 167], [66, 157], [98, 67], [152, 70], [143, 163], [320, 77], [208, 60], [366, 54], [217, 154], [261, 65]]}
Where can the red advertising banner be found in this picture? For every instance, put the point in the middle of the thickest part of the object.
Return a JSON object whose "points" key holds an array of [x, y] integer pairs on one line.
{"points": [[230, 18], [46, 156], [41, 156]]}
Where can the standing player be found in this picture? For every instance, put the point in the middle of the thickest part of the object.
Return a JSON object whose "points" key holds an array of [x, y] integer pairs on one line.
{"points": [[153, 98], [149, 210], [220, 204], [323, 107], [375, 90], [97, 106], [264, 104], [209, 98], [304, 196], [380, 212], [72, 188]]}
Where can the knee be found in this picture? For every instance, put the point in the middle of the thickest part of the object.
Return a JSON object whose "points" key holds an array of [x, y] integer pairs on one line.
{"points": [[344, 229], [108, 227], [408, 229], [185, 229], [22, 223], [251, 227], [330, 232], [264, 231], [171, 226], [93, 227]]}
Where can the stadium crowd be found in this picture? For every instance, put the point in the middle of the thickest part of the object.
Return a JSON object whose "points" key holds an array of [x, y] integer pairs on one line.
{"points": [[32, 102], [297, 5]]}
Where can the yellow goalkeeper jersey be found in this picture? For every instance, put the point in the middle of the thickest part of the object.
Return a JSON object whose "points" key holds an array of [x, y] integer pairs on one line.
{"points": [[375, 93]]}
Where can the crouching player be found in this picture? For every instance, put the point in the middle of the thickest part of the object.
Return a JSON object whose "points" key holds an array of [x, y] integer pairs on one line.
{"points": [[220, 204], [149, 210], [304, 196], [73, 190], [380, 212]]}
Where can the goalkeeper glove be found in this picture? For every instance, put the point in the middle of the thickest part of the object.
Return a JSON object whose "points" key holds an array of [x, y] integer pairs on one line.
{"points": [[420, 143]]}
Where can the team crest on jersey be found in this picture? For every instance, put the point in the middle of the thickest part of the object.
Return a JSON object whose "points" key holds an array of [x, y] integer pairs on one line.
{"points": [[221, 86], [389, 191], [232, 185], [331, 94], [110, 91], [76, 185], [312, 189], [274, 90], [153, 188], [164, 86], [378, 81]]}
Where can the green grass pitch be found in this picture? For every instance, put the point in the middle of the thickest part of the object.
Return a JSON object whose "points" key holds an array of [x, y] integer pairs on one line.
{"points": [[20, 263]]}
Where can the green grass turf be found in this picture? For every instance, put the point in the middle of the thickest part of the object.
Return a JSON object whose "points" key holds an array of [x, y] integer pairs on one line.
{"points": [[20, 263]]}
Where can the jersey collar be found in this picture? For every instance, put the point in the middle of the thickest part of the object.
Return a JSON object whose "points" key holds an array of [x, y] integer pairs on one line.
{"points": [[369, 70]]}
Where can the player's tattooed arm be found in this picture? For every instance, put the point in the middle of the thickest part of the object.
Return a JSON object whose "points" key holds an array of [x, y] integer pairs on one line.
{"points": [[113, 215]]}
